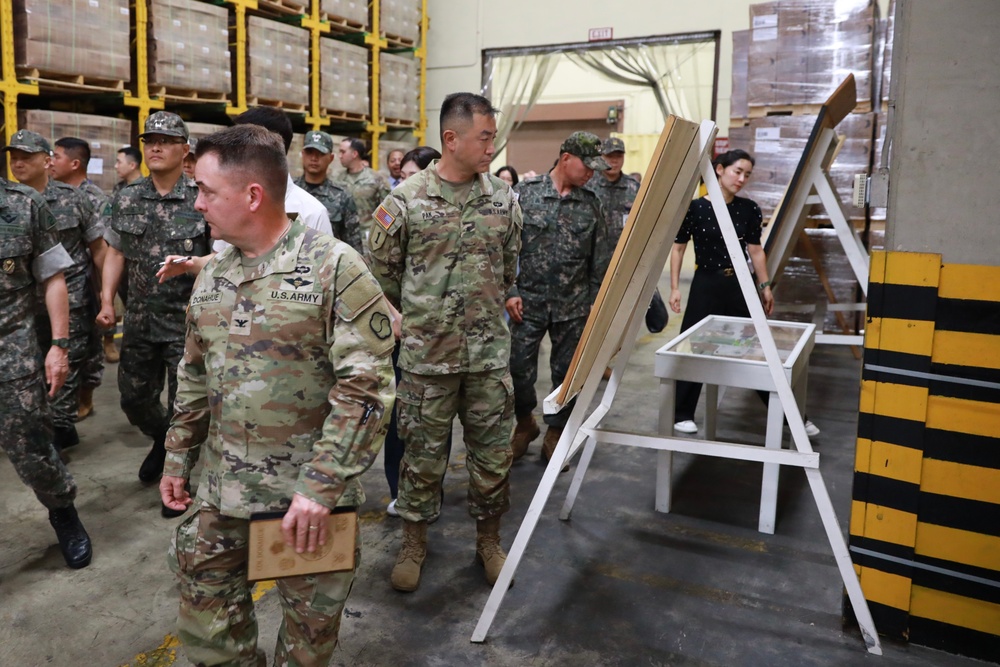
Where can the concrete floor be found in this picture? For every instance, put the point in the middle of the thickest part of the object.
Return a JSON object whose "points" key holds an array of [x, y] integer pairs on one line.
{"points": [[619, 584]]}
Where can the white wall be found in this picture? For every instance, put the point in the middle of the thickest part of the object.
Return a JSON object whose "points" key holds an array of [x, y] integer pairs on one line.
{"points": [[461, 29]]}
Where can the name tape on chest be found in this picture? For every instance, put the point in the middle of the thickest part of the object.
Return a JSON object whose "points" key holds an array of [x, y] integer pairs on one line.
{"points": [[203, 299], [298, 297]]}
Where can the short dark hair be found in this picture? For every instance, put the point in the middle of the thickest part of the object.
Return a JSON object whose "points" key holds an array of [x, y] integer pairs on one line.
{"points": [[511, 170], [252, 150], [132, 153], [460, 107], [269, 118], [732, 157], [76, 148], [421, 156], [357, 146]]}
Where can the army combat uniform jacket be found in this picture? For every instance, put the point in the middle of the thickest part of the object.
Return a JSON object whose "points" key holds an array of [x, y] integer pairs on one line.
{"points": [[340, 207], [562, 265], [146, 228], [78, 225], [447, 266], [617, 199], [286, 382]]}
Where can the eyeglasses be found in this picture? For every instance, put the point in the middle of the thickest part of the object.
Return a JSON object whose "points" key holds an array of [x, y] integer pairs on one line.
{"points": [[162, 141]]}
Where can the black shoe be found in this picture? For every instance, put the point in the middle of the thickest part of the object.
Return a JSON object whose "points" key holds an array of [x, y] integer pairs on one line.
{"points": [[152, 466], [64, 438], [169, 512], [73, 539]]}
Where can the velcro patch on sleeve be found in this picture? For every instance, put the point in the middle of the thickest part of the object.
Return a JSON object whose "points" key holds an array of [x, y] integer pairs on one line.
{"points": [[384, 218]]}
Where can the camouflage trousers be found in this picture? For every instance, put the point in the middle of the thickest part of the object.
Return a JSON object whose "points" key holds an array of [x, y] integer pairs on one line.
{"points": [[81, 337], [216, 622], [484, 402], [93, 367], [26, 424], [526, 338], [142, 369]]}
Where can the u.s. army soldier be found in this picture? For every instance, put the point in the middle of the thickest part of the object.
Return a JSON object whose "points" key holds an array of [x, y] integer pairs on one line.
{"points": [[285, 388], [444, 247]]}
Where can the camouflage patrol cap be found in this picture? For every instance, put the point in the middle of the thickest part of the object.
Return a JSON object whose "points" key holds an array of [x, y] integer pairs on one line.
{"points": [[29, 142], [587, 147], [321, 141], [613, 145], [165, 123]]}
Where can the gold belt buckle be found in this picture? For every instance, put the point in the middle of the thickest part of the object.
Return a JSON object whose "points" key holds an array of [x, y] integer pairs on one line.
{"points": [[729, 272]]}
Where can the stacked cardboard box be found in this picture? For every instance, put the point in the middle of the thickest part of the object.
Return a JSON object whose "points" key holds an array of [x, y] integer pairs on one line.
{"points": [[189, 46], [801, 50], [887, 26], [344, 77], [105, 136], [741, 52], [777, 143], [400, 19], [399, 88], [354, 11], [278, 62], [88, 38], [198, 130]]}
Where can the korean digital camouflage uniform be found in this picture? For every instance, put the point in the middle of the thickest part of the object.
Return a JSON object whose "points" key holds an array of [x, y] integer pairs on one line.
{"points": [[78, 224], [286, 385], [446, 264], [93, 371], [368, 189], [30, 254], [146, 227], [340, 206], [616, 197], [561, 272]]}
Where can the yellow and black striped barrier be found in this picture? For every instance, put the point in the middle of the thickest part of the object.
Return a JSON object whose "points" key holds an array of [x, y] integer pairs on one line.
{"points": [[925, 517]]}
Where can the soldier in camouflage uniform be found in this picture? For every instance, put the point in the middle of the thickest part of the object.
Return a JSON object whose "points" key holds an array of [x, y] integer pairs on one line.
{"points": [[317, 154], [69, 165], [444, 248], [286, 328], [81, 233], [148, 220], [617, 192], [561, 272], [366, 186], [31, 262]]}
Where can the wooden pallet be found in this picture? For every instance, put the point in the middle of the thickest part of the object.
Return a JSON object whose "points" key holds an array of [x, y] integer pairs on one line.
{"points": [[863, 106], [186, 95], [282, 8], [399, 122], [346, 116], [738, 121], [279, 104], [341, 25], [396, 42], [70, 82]]}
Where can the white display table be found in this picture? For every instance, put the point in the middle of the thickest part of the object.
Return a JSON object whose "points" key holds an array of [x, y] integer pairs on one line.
{"points": [[725, 351]]}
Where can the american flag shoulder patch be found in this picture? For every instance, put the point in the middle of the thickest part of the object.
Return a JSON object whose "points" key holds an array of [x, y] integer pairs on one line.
{"points": [[384, 218]]}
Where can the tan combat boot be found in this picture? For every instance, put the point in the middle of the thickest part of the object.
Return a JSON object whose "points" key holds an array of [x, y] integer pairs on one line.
{"points": [[488, 549], [552, 435], [86, 403], [111, 354], [406, 574], [526, 431]]}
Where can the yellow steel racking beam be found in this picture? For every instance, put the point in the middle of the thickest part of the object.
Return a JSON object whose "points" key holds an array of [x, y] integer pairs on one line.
{"points": [[316, 28], [377, 42], [10, 87], [241, 55], [141, 99], [420, 134]]}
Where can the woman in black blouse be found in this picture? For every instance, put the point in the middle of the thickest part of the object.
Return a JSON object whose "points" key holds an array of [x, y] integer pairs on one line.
{"points": [[714, 288]]}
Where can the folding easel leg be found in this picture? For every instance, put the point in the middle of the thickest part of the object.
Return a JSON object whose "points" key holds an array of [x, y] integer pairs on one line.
{"points": [[581, 472], [769, 485], [843, 558]]}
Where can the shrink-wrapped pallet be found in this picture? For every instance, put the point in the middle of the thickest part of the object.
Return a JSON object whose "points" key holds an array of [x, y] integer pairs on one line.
{"points": [[777, 143], [399, 88], [278, 62], [105, 136], [741, 51], [400, 19], [351, 11], [344, 77], [75, 38], [189, 46], [801, 50]]}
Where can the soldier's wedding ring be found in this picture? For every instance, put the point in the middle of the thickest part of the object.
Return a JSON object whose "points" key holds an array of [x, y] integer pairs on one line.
{"points": [[313, 527]]}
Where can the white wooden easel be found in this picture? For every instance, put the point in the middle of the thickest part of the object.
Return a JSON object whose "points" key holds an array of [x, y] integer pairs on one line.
{"points": [[816, 187], [628, 316]]}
